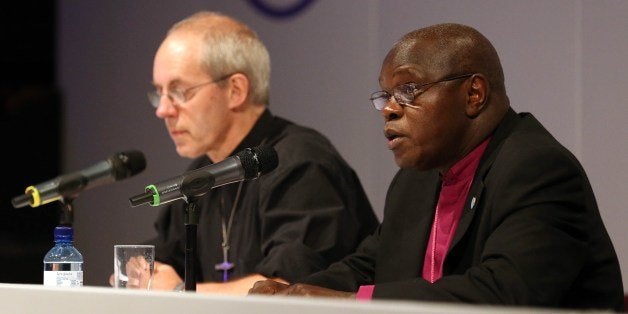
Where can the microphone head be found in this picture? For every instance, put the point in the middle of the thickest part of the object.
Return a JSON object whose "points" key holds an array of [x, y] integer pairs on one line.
{"points": [[267, 159], [127, 164], [257, 160]]}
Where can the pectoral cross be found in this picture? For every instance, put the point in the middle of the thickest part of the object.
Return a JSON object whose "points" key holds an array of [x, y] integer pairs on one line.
{"points": [[225, 266]]}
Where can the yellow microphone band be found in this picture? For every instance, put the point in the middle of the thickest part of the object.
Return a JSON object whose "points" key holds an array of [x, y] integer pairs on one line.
{"points": [[36, 200]]}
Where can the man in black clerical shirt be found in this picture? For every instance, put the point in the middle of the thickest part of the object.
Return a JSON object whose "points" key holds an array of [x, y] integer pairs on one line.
{"points": [[211, 77]]}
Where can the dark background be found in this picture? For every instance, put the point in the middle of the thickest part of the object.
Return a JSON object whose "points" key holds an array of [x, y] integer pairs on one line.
{"points": [[31, 131]]}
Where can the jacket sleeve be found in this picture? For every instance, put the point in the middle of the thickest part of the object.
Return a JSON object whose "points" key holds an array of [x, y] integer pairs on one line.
{"points": [[351, 272]]}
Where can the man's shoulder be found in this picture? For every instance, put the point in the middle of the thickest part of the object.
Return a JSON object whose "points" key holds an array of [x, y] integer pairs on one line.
{"points": [[292, 129], [530, 148], [300, 146], [530, 137], [297, 139]]}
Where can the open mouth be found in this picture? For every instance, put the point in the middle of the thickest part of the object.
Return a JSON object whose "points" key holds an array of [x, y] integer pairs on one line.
{"points": [[391, 137], [391, 134]]}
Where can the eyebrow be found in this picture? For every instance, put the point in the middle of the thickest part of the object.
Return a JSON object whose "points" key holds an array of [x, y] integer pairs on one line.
{"points": [[171, 84]]}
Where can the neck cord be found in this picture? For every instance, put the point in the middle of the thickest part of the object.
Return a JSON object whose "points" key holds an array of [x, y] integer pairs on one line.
{"points": [[225, 266]]}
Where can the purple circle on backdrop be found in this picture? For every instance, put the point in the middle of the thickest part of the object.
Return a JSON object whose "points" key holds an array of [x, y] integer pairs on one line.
{"points": [[281, 11]]}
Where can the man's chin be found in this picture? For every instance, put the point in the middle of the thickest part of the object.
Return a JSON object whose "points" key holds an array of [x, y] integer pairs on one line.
{"points": [[401, 161], [409, 162], [187, 153]]}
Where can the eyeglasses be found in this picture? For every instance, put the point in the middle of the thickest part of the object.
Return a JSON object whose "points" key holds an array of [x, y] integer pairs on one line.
{"points": [[177, 96], [405, 94]]}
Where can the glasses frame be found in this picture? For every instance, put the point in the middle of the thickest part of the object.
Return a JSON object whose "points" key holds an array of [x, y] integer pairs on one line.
{"points": [[179, 97], [405, 94]]}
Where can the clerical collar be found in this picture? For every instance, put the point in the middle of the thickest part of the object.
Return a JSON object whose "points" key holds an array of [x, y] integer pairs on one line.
{"points": [[258, 133], [461, 169]]}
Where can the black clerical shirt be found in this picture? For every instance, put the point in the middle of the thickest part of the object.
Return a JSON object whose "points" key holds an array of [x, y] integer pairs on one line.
{"points": [[297, 219]]}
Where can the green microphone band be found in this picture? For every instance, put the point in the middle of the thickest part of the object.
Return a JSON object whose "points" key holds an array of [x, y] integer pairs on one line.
{"points": [[152, 188]]}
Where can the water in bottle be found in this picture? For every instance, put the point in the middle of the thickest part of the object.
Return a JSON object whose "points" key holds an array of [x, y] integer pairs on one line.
{"points": [[63, 264]]}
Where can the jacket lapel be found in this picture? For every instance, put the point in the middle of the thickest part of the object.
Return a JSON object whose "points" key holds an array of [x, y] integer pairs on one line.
{"points": [[474, 199], [407, 226]]}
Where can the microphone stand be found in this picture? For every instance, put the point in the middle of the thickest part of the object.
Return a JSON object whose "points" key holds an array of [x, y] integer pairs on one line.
{"points": [[191, 224], [192, 187], [67, 212]]}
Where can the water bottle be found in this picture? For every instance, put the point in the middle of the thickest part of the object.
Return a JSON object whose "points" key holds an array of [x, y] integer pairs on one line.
{"points": [[63, 264]]}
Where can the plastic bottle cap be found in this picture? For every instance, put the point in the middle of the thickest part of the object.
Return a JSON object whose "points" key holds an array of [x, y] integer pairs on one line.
{"points": [[63, 233]]}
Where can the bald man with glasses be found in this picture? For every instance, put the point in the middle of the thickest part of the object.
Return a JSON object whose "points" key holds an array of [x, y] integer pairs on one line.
{"points": [[487, 208]]}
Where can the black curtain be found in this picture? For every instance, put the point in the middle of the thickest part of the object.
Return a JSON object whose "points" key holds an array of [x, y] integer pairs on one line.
{"points": [[30, 126]]}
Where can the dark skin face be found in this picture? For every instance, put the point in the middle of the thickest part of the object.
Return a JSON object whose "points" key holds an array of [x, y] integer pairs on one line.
{"points": [[433, 134]]}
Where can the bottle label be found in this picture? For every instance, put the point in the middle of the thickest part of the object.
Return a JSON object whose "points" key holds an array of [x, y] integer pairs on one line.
{"points": [[63, 278]]}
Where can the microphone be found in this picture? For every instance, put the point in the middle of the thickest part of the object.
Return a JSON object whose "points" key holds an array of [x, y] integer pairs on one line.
{"points": [[247, 164], [117, 167]]}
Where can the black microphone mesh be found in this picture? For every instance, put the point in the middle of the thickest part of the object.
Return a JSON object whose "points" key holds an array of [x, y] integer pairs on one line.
{"points": [[249, 164], [267, 158], [257, 160], [127, 164]]}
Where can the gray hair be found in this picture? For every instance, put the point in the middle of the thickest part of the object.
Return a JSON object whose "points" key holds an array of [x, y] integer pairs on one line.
{"points": [[229, 46]]}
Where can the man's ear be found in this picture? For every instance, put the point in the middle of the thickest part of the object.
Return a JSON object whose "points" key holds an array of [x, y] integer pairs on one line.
{"points": [[477, 95], [238, 90]]}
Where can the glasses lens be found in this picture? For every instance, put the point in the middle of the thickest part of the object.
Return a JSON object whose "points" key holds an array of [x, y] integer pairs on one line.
{"points": [[404, 94], [379, 99], [153, 98]]}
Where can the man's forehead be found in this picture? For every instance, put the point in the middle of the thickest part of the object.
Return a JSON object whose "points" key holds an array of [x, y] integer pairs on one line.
{"points": [[402, 69], [410, 52], [402, 60], [402, 52], [418, 57]]}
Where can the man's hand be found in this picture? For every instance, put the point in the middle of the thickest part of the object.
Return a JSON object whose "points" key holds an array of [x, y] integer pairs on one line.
{"points": [[165, 277], [138, 273], [275, 288], [268, 286]]}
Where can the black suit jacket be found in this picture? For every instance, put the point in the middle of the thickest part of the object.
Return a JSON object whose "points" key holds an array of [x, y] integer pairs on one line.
{"points": [[530, 233]]}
